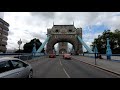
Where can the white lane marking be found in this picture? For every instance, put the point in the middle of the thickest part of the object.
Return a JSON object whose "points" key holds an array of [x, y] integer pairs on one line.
{"points": [[100, 68], [64, 69], [66, 73], [60, 62]]}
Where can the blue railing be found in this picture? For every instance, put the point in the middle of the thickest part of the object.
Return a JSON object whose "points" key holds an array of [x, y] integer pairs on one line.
{"points": [[22, 56], [114, 57], [85, 45]]}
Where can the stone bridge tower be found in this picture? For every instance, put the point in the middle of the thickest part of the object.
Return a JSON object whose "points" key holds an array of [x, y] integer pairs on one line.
{"points": [[66, 34]]}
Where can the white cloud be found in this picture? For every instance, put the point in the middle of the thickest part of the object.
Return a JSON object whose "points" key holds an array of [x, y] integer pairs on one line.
{"points": [[29, 25], [1, 15]]}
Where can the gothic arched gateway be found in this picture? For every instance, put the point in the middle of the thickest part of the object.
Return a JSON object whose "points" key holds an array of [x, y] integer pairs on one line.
{"points": [[64, 33]]}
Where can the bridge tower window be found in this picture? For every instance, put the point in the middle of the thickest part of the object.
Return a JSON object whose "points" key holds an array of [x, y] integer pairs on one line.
{"points": [[70, 30], [56, 30]]}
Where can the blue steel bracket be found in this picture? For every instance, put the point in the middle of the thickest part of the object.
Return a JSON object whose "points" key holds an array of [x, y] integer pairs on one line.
{"points": [[42, 46], [84, 44]]}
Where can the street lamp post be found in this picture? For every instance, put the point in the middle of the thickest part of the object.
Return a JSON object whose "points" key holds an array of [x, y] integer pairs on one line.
{"points": [[34, 48], [19, 43], [96, 53]]}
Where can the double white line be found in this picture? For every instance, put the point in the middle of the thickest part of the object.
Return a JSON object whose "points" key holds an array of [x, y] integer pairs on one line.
{"points": [[64, 69]]}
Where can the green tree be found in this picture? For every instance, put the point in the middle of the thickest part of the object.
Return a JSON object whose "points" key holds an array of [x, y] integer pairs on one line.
{"points": [[19, 51], [29, 46], [114, 41]]}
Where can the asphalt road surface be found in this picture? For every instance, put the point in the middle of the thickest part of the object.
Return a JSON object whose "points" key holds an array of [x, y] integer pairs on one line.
{"points": [[61, 68]]}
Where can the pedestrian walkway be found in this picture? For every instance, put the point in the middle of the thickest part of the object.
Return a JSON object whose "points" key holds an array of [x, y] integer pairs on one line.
{"points": [[103, 63], [113, 57]]}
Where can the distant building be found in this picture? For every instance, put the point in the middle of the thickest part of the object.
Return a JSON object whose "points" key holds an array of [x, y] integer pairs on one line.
{"points": [[63, 46], [3, 35]]}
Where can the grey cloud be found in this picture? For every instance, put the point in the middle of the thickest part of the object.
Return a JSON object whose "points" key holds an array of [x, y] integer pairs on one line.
{"points": [[41, 36], [9, 38], [26, 31], [93, 15], [69, 17], [52, 15], [65, 18], [45, 15], [40, 18], [25, 40], [40, 21], [90, 18], [31, 21], [10, 33], [2, 15], [11, 43]]}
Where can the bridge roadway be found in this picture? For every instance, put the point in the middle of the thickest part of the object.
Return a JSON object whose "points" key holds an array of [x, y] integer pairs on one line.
{"points": [[59, 68]]}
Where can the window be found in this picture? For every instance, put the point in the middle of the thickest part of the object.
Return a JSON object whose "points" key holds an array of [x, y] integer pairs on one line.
{"points": [[1, 23], [0, 28], [3, 45], [5, 66], [55, 36], [4, 35], [6, 25], [56, 30], [4, 40], [70, 30], [5, 30], [17, 63], [0, 41], [70, 36]]}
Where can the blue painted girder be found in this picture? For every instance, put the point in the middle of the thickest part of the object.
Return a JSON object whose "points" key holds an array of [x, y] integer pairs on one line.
{"points": [[42, 46], [84, 44]]}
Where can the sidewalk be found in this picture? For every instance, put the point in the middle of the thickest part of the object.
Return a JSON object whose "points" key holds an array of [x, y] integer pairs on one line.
{"points": [[101, 63]]}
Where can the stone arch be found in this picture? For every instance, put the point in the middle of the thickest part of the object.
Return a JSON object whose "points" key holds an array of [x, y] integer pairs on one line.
{"points": [[52, 41]]}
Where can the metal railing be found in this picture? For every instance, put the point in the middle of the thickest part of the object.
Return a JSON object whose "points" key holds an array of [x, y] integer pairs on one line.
{"points": [[114, 57], [22, 56]]}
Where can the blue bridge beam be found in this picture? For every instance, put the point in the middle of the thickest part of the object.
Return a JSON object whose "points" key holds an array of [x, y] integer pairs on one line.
{"points": [[84, 44], [42, 46]]}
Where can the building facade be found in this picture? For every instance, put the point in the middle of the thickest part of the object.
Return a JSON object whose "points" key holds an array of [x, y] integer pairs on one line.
{"points": [[4, 28], [63, 47]]}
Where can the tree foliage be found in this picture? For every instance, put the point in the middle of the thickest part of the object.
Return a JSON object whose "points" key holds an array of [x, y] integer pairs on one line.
{"points": [[114, 41], [19, 51], [28, 47]]}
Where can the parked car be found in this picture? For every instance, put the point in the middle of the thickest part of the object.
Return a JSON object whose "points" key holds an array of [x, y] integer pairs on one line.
{"points": [[52, 55], [67, 56], [15, 68]]}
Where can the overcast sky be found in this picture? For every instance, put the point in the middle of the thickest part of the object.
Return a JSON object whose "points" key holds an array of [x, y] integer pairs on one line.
{"points": [[29, 25]]}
